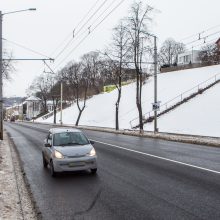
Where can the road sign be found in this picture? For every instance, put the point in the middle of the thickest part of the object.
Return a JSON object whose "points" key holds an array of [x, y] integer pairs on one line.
{"points": [[156, 106]]}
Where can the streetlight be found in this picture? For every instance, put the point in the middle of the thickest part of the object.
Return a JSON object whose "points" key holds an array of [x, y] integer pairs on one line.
{"points": [[156, 103], [61, 94], [1, 68]]}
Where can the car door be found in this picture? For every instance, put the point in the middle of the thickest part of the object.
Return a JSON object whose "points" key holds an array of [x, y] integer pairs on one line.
{"points": [[48, 150]]}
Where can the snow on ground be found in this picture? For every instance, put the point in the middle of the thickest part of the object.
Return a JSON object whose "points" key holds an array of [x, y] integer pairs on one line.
{"points": [[100, 109], [199, 116]]}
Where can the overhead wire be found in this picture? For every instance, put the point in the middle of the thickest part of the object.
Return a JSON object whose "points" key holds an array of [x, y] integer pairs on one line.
{"points": [[199, 33], [70, 34], [82, 27], [88, 12], [26, 48], [91, 30], [202, 38]]}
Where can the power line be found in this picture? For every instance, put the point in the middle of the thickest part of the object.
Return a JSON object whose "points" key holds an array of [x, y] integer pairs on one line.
{"points": [[26, 48], [87, 30], [204, 38], [87, 13], [81, 28], [199, 33], [204, 43], [93, 6], [91, 32]]}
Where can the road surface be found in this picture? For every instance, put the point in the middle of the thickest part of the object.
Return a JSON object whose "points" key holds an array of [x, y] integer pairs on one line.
{"points": [[138, 178]]}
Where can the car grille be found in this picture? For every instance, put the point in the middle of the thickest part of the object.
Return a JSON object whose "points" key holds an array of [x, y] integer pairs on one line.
{"points": [[76, 156]]}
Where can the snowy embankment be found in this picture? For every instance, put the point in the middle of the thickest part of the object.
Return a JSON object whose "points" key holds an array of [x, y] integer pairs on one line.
{"points": [[100, 109], [199, 116]]}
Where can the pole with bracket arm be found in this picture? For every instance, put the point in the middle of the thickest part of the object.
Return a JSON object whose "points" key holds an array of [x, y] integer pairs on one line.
{"points": [[155, 83], [1, 72], [1, 66]]}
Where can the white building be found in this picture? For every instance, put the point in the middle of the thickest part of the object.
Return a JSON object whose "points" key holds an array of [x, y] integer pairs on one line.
{"points": [[33, 107], [50, 105], [189, 57]]}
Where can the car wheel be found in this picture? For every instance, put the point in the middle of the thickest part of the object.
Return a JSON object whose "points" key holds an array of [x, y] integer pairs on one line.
{"points": [[52, 172], [44, 161], [93, 171]]}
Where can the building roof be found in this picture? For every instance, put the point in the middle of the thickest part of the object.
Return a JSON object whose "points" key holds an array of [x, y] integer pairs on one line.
{"points": [[33, 98]]}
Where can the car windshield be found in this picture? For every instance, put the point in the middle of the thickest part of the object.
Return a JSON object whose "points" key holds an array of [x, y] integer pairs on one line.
{"points": [[69, 139]]}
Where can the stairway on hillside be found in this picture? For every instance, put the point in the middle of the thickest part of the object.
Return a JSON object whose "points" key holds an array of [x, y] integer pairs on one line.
{"points": [[178, 100]]}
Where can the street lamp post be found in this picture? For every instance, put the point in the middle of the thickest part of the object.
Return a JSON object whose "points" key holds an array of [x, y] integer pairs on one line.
{"points": [[1, 66], [155, 83], [61, 102], [155, 80], [1, 71], [61, 95]]}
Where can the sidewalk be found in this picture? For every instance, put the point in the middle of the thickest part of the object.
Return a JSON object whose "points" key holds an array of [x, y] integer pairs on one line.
{"points": [[15, 201]]}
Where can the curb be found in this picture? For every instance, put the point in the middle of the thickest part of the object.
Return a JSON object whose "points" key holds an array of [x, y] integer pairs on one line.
{"points": [[25, 180], [184, 138]]}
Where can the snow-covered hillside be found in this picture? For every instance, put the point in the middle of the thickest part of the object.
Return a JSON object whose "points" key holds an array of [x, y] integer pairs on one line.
{"points": [[199, 116], [100, 109]]}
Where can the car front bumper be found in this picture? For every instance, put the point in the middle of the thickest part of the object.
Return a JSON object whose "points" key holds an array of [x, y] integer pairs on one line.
{"points": [[75, 164]]}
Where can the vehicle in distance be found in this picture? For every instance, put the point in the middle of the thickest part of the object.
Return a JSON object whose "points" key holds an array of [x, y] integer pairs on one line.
{"points": [[68, 149], [12, 119]]}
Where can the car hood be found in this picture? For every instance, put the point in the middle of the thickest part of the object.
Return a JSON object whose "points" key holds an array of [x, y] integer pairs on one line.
{"points": [[74, 151]]}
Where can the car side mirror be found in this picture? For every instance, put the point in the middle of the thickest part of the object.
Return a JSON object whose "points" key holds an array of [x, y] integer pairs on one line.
{"points": [[47, 145], [92, 142]]}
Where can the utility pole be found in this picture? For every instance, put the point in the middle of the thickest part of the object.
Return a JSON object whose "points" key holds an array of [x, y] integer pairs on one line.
{"points": [[1, 67], [61, 102], [61, 95], [1, 71], [155, 83]]}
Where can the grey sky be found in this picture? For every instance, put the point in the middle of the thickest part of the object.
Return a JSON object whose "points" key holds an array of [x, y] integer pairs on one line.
{"points": [[54, 20]]}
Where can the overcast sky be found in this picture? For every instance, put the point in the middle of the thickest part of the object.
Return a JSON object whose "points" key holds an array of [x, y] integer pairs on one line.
{"points": [[53, 22]]}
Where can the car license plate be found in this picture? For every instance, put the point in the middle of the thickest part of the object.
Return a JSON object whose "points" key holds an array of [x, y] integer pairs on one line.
{"points": [[76, 164]]}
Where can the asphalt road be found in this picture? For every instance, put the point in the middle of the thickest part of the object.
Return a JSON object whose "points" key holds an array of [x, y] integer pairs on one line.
{"points": [[138, 178]]}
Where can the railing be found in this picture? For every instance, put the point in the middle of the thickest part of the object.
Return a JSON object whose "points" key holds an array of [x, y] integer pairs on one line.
{"points": [[47, 115], [168, 104]]}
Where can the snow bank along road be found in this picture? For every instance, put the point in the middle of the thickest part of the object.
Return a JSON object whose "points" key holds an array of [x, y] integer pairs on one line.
{"points": [[138, 178]]}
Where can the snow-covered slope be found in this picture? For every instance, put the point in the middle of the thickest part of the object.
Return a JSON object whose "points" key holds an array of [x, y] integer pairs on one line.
{"points": [[100, 109], [199, 116]]}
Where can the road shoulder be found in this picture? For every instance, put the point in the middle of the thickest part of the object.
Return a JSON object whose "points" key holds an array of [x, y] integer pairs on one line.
{"points": [[15, 199]]}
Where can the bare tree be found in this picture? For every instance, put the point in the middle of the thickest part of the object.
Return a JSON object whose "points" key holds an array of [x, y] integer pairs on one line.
{"points": [[7, 66], [55, 96], [169, 51], [210, 54], [41, 87], [137, 27], [116, 60], [91, 62], [76, 75]]}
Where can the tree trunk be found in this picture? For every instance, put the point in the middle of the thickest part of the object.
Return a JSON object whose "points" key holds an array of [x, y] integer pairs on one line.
{"points": [[54, 111], [140, 103], [77, 101], [45, 106], [116, 118], [54, 116], [79, 116]]}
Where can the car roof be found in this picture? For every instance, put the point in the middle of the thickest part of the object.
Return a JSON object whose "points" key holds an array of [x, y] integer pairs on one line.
{"points": [[62, 129]]}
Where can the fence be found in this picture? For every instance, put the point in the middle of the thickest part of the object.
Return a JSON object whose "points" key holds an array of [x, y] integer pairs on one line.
{"points": [[178, 99]]}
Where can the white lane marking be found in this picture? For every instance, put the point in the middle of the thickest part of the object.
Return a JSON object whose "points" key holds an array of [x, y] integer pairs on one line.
{"points": [[158, 157], [16, 137]]}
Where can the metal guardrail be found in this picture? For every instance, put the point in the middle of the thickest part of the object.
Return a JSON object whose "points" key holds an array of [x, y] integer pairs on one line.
{"points": [[175, 100]]}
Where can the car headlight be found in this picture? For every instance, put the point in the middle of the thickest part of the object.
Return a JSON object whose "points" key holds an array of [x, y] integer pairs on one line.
{"points": [[58, 155], [92, 152]]}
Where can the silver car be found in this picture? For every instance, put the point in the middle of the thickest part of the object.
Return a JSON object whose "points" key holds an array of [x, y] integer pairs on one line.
{"points": [[68, 149]]}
